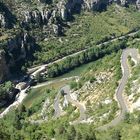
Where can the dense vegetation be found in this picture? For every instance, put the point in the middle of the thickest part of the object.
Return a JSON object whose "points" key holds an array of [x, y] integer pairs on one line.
{"points": [[15, 126], [84, 57], [60, 128], [6, 87], [87, 30]]}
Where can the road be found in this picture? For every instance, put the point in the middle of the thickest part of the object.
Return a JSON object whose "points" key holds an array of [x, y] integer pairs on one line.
{"points": [[126, 73], [31, 70], [34, 71], [80, 106], [57, 108]]}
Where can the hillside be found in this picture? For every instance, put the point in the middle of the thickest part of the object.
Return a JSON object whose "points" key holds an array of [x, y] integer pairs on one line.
{"points": [[69, 69], [41, 32]]}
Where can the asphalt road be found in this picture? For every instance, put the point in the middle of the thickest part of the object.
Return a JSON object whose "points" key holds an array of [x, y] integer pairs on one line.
{"points": [[80, 106], [126, 73], [39, 68], [57, 108], [34, 71]]}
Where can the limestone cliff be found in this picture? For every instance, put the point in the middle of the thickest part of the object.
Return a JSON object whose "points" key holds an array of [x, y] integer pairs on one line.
{"points": [[33, 21]]}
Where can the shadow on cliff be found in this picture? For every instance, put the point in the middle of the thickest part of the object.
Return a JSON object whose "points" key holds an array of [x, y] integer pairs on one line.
{"points": [[20, 63], [10, 18], [100, 7], [76, 10]]}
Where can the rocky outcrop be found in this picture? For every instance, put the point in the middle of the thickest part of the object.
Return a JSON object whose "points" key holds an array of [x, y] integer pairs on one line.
{"points": [[40, 17], [66, 7], [18, 49], [2, 21], [20, 45], [7, 19], [138, 4], [48, 17], [4, 71], [62, 9], [51, 14], [43, 17], [123, 2]]}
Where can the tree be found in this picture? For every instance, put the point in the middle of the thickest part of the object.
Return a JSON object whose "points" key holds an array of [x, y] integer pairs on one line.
{"points": [[62, 92], [82, 58], [127, 118], [5, 88], [4, 135], [92, 79], [116, 135], [73, 85], [39, 78], [71, 133], [138, 119], [78, 136]]}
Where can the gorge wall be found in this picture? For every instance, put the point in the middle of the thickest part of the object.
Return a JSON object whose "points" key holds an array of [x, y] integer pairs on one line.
{"points": [[4, 71], [29, 22]]}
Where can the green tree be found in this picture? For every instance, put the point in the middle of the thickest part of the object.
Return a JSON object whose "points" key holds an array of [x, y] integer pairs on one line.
{"points": [[71, 132], [116, 135]]}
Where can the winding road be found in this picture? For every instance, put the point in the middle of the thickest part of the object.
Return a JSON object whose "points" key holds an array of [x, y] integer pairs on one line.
{"points": [[34, 71], [126, 73], [119, 91], [57, 108], [80, 106]]}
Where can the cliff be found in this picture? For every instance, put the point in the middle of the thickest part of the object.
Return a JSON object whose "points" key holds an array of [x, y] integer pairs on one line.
{"points": [[4, 71], [25, 23]]}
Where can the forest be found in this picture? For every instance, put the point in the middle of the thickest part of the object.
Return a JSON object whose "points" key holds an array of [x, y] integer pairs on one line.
{"points": [[87, 56]]}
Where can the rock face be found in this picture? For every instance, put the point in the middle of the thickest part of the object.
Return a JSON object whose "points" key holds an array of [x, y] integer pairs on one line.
{"points": [[61, 12], [123, 2], [66, 8], [2, 21], [45, 19], [19, 49], [4, 71], [46, 15], [138, 4], [41, 18], [7, 19]]}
